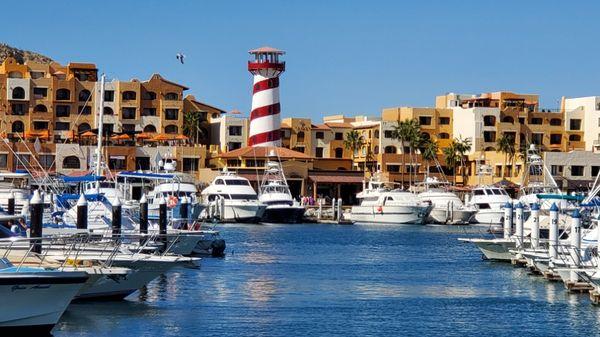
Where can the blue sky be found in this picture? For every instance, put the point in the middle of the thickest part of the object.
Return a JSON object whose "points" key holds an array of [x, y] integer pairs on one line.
{"points": [[352, 57]]}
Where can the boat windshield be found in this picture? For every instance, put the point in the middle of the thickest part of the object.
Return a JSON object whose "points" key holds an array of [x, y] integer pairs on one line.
{"points": [[237, 182], [243, 196]]}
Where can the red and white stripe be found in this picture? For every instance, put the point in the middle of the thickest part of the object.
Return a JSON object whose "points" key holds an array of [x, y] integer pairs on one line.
{"points": [[265, 120]]}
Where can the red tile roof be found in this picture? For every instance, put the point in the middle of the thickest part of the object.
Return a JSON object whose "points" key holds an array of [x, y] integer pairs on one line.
{"points": [[263, 152]]}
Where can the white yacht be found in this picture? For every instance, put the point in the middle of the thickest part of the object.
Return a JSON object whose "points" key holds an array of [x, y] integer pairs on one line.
{"points": [[238, 199], [490, 201], [275, 193], [447, 206], [15, 184], [379, 204]]}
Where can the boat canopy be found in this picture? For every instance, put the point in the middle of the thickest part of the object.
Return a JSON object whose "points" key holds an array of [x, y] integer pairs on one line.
{"points": [[560, 196], [143, 175], [82, 179]]}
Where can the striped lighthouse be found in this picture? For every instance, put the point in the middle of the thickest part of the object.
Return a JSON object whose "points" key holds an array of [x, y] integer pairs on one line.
{"points": [[265, 117]]}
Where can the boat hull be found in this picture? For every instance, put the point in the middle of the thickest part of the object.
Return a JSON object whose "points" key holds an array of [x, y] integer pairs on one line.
{"points": [[489, 216], [244, 213], [390, 214], [445, 216], [494, 249], [283, 214]]}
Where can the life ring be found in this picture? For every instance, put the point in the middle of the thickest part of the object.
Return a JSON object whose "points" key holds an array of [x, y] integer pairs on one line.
{"points": [[380, 209], [172, 201]]}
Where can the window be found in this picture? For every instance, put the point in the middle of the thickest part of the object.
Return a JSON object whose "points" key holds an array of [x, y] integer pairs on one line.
{"points": [[63, 94], [249, 163], [390, 149], [18, 93], [128, 127], [537, 138], [577, 170], [489, 120], [219, 182], [150, 128], [376, 134], [300, 137], [171, 114], [71, 162], [40, 92], [575, 124], [149, 112], [190, 164], [555, 122], [171, 96], [444, 135], [149, 95], [63, 110], [107, 129], [22, 160], [574, 138], [235, 130], [595, 170], [3, 160], [339, 136], [444, 120], [128, 95], [320, 135], [508, 119], [536, 121], [18, 126], [376, 149], [425, 120], [339, 152], [319, 152], [46, 160], [489, 136], [388, 134], [84, 95], [40, 125], [18, 109], [142, 163], [83, 127], [233, 146], [128, 113], [36, 74], [109, 95], [521, 120], [425, 135], [117, 162], [171, 129], [85, 110], [393, 168], [61, 126], [555, 139], [108, 111]]}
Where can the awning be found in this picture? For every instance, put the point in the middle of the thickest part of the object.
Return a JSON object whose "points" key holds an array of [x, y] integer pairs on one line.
{"points": [[337, 179]]}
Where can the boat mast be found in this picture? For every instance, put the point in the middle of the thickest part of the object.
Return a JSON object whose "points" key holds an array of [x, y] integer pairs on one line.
{"points": [[100, 120]]}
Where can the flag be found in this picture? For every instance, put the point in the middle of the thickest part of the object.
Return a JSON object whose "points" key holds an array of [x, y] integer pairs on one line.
{"points": [[37, 145], [157, 160]]}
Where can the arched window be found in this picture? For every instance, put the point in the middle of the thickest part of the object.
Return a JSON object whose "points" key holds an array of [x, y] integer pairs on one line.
{"points": [[489, 120], [425, 135], [108, 111], [376, 149], [150, 128], [376, 133], [83, 127], [84, 95], [508, 119], [172, 129], [574, 138], [444, 135], [71, 162], [18, 126], [339, 152], [390, 149], [171, 96], [128, 95], [300, 137], [63, 94], [40, 108], [149, 95], [18, 93], [490, 148], [15, 74]]}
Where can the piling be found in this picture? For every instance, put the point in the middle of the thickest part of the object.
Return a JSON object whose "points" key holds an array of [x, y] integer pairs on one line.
{"points": [[162, 219], [575, 237], [508, 220], [184, 212], [333, 208], [36, 217], [11, 204], [82, 213], [535, 226], [553, 232], [222, 208], [143, 215], [116, 217], [339, 210], [519, 225], [320, 209]]}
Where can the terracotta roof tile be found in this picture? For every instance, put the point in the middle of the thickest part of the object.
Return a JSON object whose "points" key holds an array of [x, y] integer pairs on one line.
{"points": [[263, 151]]}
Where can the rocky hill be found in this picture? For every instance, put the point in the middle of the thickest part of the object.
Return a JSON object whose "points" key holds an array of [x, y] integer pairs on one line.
{"points": [[21, 55]]}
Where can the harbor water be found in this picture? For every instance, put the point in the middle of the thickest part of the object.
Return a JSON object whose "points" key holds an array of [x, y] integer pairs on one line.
{"points": [[339, 280]]}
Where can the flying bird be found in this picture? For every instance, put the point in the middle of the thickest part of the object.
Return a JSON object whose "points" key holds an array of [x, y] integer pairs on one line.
{"points": [[180, 57]]}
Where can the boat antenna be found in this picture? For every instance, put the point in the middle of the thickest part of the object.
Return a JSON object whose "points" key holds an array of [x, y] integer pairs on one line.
{"points": [[100, 114]]}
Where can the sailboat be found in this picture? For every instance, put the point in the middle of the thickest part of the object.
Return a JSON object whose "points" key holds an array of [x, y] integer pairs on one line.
{"points": [[275, 193]]}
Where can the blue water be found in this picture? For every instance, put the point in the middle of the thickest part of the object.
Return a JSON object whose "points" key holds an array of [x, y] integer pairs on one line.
{"points": [[329, 280]]}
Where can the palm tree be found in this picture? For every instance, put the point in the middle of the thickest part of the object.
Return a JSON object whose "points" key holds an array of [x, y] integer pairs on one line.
{"points": [[452, 158], [429, 150], [191, 125], [353, 142], [407, 131], [462, 146], [506, 145]]}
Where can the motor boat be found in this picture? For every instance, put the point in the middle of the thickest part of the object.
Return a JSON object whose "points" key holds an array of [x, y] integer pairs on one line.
{"points": [[232, 199], [15, 185], [447, 206], [34, 299], [379, 204], [490, 201], [275, 193]]}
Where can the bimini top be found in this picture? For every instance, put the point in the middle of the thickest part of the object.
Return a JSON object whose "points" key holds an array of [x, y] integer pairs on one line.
{"points": [[82, 179]]}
